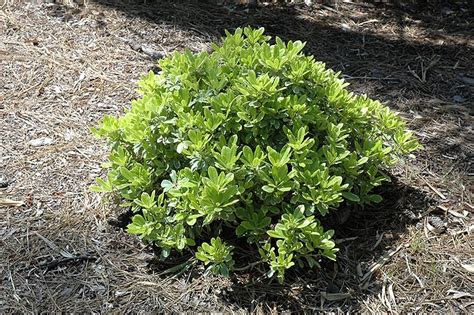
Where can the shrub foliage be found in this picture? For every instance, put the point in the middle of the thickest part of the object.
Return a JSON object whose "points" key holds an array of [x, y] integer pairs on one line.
{"points": [[255, 138]]}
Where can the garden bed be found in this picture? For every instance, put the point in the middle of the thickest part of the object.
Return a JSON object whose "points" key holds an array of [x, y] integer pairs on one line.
{"points": [[63, 248]]}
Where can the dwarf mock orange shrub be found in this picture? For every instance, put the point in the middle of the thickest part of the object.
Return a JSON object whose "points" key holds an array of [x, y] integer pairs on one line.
{"points": [[255, 137]]}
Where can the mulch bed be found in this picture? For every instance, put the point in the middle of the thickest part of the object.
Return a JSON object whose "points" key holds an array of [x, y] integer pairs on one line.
{"points": [[64, 66]]}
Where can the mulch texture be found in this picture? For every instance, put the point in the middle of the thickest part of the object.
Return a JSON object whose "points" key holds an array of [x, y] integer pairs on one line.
{"points": [[64, 66]]}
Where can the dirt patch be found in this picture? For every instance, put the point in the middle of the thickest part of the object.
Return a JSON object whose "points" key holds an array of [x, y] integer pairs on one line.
{"points": [[63, 67]]}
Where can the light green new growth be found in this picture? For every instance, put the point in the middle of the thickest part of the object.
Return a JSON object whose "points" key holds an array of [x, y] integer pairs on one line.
{"points": [[255, 137]]}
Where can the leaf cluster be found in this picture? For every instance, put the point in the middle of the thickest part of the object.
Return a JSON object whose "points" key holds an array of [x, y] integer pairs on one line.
{"points": [[256, 137]]}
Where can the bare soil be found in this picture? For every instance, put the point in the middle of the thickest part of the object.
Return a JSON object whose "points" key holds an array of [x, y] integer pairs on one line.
{"points": [[64, 66]]}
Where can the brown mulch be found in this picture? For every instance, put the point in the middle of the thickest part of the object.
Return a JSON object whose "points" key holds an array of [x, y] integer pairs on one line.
{"points": [[62, 67]]}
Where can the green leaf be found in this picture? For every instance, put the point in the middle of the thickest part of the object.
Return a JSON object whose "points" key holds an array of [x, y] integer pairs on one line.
{"points": [[275, 234], [165, 252], [350, 196], [167, 185], [181, 147], [362, 160], [187, 155], [137, 226], [268, 189], [375, 198], [240, 230], [104, 186]]}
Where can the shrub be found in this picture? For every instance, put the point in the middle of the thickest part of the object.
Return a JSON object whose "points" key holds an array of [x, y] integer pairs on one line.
{"points": [[256, 138]]}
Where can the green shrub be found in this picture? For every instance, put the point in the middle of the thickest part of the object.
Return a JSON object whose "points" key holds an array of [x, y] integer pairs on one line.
{"points": [[254, 138]]}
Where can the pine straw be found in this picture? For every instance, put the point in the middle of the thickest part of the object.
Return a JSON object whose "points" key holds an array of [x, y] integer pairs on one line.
{"points": [[63, 68]]}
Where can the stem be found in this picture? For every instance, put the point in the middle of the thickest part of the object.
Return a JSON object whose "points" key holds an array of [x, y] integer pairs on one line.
{"points": [[248, 266]]}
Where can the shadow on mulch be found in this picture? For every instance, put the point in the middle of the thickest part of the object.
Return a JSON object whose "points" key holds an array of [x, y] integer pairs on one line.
{"points": [[340, 281], [389, 63], [415, 57], [364, 239], [385, 67]]}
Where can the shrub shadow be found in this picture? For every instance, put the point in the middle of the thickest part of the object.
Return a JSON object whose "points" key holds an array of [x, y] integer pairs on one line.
{"points": [[366, 236], [412, 56], [345, 39], [385, 67]]}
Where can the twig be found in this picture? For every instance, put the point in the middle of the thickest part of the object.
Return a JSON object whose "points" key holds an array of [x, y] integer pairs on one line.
{"points": [[359, 4], [413, 274], [248, 266], [379, 240], [469, 205], [414, 74], [325, 7], [12, 203], [179, 269], [39, 85], [382, 261], [15, 295], [342, 240], [425, 70], [467, 230], [57, 262], [368, 21], [434, 189], [370, 78]]}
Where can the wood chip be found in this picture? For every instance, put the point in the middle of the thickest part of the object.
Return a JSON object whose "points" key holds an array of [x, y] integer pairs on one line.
{"points": [[466, 230], [11, 203], [41, 142], [458, 294], [469, 268], [382, 261], [457, 214], [335, 296], [435, 190], [379, 240]]}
